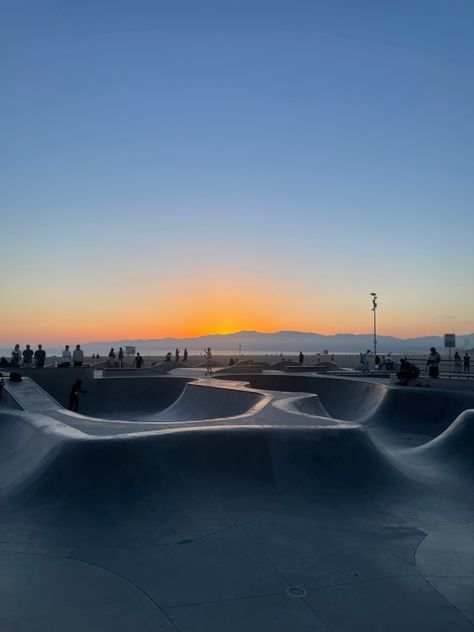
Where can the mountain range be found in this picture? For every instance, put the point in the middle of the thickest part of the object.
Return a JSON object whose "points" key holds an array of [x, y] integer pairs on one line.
{"points": [[290, 342]]}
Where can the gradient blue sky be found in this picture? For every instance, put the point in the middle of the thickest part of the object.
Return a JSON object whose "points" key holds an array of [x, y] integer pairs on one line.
{"points": [[173, 168]]}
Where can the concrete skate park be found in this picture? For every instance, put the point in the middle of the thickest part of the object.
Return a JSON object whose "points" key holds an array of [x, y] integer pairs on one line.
{"points": [[248, 501]]}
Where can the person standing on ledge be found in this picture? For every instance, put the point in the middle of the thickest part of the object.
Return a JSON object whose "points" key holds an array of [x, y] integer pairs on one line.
{"points": [[40, 357], [16, 356], [78, 356], [74, 395], [176, 355], [66, 355], [457, 362], [138, 362], [301, 358], [28, 357], [112, 358], [120, 357], [432, 363], [467, 363], [185, 355]]}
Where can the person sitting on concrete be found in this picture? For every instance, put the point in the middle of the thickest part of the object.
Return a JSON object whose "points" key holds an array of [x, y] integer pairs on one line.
{"points": [[28, 357], [408, 371], [467, 362], [432, 363], [231, 362], [78, 356], [74, 395], [40, 357], [66, 357], [167, 357]]}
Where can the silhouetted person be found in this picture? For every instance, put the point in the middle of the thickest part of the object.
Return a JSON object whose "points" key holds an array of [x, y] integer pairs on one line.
{"points": [[40, 357], [28, 357], [457, 362], [78, 356], [66, 356], [74, 395], [231, 362], [467, 363], [301, 357], [185, 355], [176, 355], [16, 356], [377, 362], [120, 357], [208, 355], [168, 357], [112, 358], [138, 361], [432, 363]]}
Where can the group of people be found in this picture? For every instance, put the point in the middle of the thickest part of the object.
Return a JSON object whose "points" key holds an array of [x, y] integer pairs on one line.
{"points": [[177, 356], [26, 358], [380, 362], [458, 362]]}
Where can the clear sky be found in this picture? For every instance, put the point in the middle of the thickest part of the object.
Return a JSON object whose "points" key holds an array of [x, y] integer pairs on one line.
{"points": [[183, 167]]}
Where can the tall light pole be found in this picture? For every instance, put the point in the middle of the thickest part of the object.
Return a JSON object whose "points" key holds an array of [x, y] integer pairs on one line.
{"points": [[374, 309]]}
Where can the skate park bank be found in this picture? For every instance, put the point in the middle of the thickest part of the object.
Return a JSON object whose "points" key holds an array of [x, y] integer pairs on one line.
{"points": [[259, 501]]}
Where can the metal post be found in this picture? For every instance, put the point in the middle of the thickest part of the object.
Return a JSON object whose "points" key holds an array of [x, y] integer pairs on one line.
{"points": [[374, 309]]}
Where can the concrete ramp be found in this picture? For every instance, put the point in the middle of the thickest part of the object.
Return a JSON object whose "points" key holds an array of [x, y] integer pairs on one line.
{"points": [[456, 444], [66, 466], [201, 400]]}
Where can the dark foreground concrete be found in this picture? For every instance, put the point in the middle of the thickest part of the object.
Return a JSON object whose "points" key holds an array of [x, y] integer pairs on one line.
{"points": [[299, 503]]}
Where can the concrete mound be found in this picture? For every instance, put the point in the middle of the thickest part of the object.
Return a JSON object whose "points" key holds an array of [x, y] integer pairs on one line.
{"points": [[213, 363], [343, 399], [203, 402], [171, 465], [281, 364], [456, 443]]}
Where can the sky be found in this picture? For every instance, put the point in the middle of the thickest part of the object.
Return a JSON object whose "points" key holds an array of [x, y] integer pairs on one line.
{"points": [[184, 168]]}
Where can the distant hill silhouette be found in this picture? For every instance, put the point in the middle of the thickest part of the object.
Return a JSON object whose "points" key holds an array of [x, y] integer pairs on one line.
{"points": [[293, 341]]}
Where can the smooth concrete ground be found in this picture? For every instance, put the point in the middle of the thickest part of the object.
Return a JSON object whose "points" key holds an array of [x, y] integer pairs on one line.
{"points": [[257, 502]]}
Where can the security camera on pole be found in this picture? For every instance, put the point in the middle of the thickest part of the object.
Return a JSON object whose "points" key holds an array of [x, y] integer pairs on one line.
{"points": [[374, 309]]}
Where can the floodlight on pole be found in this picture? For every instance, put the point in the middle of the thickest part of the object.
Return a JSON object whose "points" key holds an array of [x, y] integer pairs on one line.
{"points": [[374, 309]]}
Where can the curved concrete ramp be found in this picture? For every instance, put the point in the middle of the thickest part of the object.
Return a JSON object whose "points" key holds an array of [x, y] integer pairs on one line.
{"points": [[456, 443], [420, 413], [64, 464], [209, 401]]}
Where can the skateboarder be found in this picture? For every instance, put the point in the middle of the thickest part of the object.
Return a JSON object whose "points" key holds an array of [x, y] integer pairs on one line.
{"points": [[208, 355], [74, 395]]}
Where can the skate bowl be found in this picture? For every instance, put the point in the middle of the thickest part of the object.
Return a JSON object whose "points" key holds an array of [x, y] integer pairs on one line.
{"points": [[256, 502]]}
